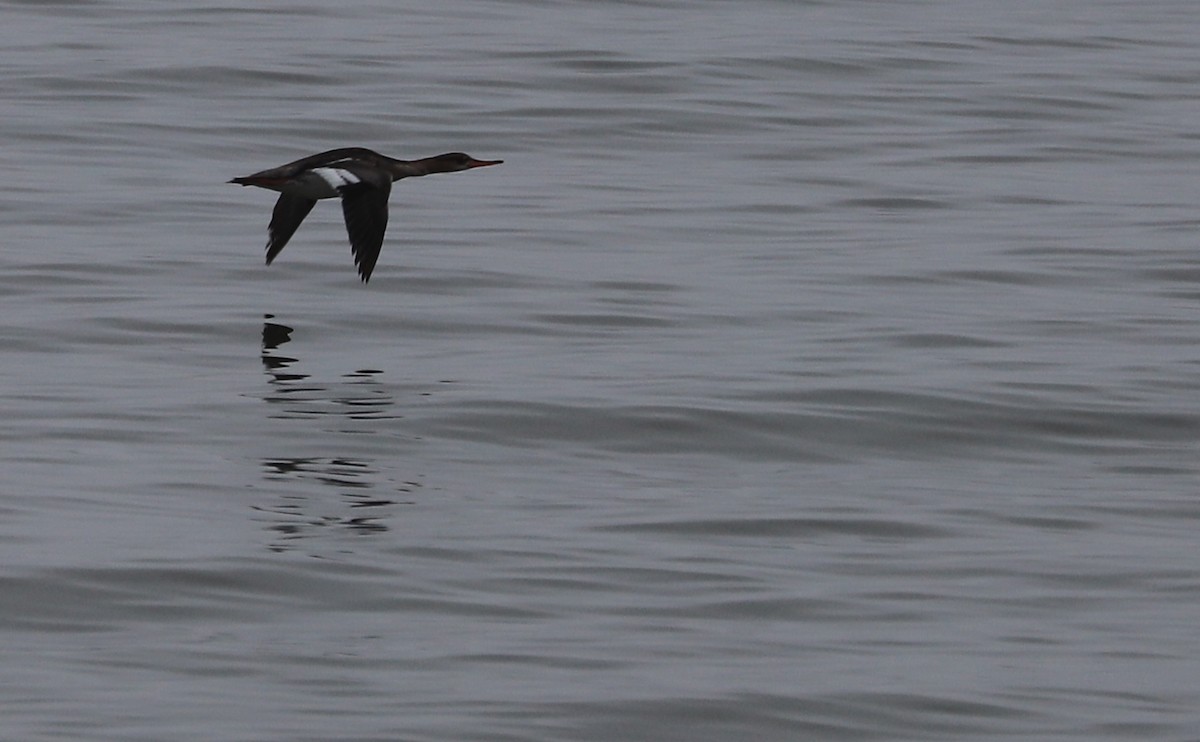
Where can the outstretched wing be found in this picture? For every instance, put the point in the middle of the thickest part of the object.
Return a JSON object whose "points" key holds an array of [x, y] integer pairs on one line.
{"points": [[365, 207], [285, 220]]}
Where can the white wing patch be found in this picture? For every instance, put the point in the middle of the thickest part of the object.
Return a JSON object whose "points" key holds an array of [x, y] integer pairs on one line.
{"points": [[336, 177]]}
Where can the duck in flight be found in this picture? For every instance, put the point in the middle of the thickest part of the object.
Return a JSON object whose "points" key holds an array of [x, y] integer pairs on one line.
{"points": [[361, 178]]}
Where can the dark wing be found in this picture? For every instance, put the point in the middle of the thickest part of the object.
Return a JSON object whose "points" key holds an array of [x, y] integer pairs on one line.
{"points": [[366, 209], [285, 220]]}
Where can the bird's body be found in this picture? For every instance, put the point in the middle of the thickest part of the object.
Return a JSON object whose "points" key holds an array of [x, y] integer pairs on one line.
{"points": [[361, 178]]}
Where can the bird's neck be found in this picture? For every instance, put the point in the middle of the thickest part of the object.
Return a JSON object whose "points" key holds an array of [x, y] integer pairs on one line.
{"points": [[414, 168], [407, 169]]}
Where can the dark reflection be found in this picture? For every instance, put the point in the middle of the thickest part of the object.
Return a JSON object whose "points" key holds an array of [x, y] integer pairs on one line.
{"points": [[351, 404], [304, 512], [273, 336], [358, 397]]}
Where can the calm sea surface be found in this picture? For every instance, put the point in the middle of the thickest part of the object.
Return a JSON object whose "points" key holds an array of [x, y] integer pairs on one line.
{"points": [[816, 370]]}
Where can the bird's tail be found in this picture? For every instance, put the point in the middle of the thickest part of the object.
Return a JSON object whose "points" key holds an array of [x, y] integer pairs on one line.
{"points": [[258, 180]]}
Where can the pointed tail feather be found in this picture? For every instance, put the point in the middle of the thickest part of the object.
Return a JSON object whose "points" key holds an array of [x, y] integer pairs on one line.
{"points": [[260, 181]]}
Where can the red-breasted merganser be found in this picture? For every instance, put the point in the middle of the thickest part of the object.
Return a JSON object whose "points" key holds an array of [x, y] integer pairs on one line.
{"points": [[361, 178]]}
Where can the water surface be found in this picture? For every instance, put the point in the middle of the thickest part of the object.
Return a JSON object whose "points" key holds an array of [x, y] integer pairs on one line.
{"points": [[820, 370]]}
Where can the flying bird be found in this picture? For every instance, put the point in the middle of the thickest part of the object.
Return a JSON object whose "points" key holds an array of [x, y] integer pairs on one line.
{"points": [[361, 178]]}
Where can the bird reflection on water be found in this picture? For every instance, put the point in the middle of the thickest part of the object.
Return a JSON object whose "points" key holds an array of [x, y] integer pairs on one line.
{"points": [[358, 397], [357, 401]]}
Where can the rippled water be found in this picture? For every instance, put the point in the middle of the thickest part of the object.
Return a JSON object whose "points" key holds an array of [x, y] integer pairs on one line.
{"points": [[809, 370]]}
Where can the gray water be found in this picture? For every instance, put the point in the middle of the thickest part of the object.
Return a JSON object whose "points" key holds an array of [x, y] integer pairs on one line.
{"points": [[809, 370]]}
